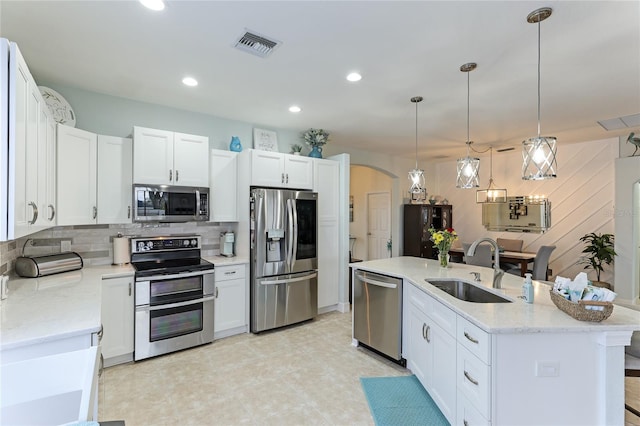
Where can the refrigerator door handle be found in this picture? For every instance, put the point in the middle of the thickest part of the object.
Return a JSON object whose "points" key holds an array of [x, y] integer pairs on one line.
{"points": [[289, 280], [294, 211], [290, 241]]}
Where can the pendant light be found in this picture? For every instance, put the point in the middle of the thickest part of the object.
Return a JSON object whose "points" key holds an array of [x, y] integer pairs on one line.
{"points": [[418, 191], [539, 153], [491, 194], [468, 167]]}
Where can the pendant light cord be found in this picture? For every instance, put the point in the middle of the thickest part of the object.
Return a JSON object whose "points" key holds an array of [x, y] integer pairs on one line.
{"points": [[416, 135], [538, 79], [468, 91]]}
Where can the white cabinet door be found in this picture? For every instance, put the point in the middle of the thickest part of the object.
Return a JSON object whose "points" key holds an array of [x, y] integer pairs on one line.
{"points": [[443, 370], [190, 160], [267, 169], [229, 316], [419, 351], [42, 164], [326, 184], [115, 179], [117, 320], [153, 156], [77, 163], [51, 190], [299, 171], [223, 188]]}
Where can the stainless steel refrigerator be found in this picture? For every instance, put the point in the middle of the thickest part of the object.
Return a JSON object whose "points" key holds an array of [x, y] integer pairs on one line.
{"points": [[284, 276]]}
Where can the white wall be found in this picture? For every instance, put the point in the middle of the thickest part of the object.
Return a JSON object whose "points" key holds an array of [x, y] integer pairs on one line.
{"points": [[582, 198]]}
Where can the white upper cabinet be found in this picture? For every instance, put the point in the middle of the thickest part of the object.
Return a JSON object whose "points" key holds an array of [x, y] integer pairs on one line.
{"points": [[115, 179], [28, 170], [162, 157], [279, 170], [77, 172], [223, 202]]}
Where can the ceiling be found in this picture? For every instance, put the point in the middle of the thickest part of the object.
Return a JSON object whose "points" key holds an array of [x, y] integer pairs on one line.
{"points": [[590, 65]]}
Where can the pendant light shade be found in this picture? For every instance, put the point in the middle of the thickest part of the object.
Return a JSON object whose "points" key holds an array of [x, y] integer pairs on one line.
{"points": [[491, 194], [417, 191], [539, 153], [468, 167]]}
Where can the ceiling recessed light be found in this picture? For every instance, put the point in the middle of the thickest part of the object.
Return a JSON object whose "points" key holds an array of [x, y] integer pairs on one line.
{"points": [[190, 81], [354, 76], [294, 108], [153, 4]]}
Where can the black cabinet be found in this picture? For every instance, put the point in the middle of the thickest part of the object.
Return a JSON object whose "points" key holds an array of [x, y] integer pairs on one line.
{"points": [[418, 218]]}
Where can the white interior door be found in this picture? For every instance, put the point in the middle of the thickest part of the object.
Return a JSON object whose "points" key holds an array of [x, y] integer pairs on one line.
{"points": [[378, 225]]}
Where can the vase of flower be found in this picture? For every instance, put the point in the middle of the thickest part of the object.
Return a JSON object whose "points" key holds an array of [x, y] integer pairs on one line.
{"points": [[443, 258], [316, 152], [442, 241], [316, 139]]}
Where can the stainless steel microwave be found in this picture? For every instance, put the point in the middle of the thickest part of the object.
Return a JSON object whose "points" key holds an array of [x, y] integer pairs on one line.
{"points": [[170, 203]]}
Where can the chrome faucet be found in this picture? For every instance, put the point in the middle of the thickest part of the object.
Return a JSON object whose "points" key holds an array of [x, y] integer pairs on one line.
{"points": [[497, 272], [476, 275]]}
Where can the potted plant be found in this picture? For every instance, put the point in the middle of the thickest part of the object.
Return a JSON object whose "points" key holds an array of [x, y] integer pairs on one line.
{"points": [[599, 251], [295, 149]]}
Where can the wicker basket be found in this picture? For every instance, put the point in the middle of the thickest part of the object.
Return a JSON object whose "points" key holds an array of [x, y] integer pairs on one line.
{"points": [[579, 310]]}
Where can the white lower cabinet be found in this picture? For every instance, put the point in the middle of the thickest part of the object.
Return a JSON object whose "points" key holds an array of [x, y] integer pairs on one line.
{"points": [[117, 320], [231, 300], [431, 347]]}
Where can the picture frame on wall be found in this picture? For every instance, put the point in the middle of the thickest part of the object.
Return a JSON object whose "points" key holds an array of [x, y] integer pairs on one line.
{"points": [[265, 140]]}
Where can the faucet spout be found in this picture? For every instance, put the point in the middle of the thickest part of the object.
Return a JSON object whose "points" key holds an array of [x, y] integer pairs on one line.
{"points": [[497, 272]]}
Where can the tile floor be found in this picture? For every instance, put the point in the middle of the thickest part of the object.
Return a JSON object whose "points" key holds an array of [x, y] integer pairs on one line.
{"points": [[302, 375]]}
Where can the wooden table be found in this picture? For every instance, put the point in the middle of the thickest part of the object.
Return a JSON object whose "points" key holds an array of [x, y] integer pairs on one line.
{"points": [[521, 258]]}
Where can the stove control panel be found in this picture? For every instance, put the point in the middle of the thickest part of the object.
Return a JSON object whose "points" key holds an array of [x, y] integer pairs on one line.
{"points": [[148, 244]]}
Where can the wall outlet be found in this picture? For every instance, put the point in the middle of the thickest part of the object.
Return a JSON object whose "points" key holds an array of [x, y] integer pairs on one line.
{"points": [[547, 368], [65, 245]]}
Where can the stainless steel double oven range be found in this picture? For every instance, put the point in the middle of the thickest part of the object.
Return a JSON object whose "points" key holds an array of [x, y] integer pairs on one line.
{"points": [[174, 295]]}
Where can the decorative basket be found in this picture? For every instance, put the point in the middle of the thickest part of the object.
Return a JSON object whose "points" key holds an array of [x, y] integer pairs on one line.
{"points": [[579, 310]]}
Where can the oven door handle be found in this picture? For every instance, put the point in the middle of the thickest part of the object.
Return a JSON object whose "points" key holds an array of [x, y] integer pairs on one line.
{"points": [[176, 305], [179, 275]]}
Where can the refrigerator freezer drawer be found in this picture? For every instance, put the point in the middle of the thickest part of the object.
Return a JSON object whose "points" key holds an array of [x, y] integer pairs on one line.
{"points": [[283, 300]]}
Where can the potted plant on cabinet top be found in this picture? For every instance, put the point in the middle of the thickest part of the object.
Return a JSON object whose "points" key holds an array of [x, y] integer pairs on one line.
{"points": [[295, 149], [316, 138], [599, 251]]}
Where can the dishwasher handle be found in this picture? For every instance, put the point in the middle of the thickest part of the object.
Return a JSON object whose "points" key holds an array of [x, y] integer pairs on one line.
{"points": [[365, 279]]}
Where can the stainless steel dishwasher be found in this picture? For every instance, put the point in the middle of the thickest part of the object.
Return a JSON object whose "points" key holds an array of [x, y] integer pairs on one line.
{"points": [[377, 313]]}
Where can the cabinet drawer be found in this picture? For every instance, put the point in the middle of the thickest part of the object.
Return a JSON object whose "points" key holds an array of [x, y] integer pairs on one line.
{"points": [[474, 380], [476, 340], [467, 414], [224, 273], [440, 314]]}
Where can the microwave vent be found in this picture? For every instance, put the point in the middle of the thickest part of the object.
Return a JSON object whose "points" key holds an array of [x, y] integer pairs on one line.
{"points": [[255, 44]]}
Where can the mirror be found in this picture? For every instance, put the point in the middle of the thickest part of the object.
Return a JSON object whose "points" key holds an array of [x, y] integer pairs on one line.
{"points": [[518, 214]]}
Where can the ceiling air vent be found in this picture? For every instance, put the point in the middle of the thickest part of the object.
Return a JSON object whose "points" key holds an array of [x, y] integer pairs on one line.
{"points": [[620, 122], [256, 45]]}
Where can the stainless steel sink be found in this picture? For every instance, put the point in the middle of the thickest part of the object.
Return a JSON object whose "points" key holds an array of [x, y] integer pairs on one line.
{"points": [[466, 291]]}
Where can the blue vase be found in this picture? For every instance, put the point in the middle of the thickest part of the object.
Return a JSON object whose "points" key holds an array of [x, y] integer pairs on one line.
{"points": [[235, 144], [316, 152]]}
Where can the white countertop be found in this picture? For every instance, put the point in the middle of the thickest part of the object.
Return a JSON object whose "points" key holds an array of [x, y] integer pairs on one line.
{"points": [[516, 317], [53, 307], [62, 305]]}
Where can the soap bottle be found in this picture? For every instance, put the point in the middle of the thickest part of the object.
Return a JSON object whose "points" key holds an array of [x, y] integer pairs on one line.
{"points": [[527, 289]]}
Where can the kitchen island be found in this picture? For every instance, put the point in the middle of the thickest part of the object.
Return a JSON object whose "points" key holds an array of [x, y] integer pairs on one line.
{"points": [[508, 363]]}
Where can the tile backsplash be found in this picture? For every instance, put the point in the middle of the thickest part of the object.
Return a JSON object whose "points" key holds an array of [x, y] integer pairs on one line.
{"points": [[94, 242]]}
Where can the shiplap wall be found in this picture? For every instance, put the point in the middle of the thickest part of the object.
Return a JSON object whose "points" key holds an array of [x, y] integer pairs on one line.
{"points": [[582, 200]]}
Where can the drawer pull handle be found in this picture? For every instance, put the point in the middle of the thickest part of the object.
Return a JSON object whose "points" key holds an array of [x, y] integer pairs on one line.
{"points": [[471, 379], [424, 334], [230, 273], [465, 422], [471, 339], [428, 334]]}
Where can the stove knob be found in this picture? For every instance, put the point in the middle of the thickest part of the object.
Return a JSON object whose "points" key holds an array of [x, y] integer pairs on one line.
{"points": [[141, 245], [186, 243], [194, 243], [149, 245]]}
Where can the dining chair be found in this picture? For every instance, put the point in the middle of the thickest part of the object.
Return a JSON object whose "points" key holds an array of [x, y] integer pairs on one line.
{"points": [[540, 264], [632, 365], [483, 256], [508, 244]]}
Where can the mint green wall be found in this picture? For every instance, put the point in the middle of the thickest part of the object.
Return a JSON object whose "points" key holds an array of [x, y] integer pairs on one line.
{"points": [[113, 116]]}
